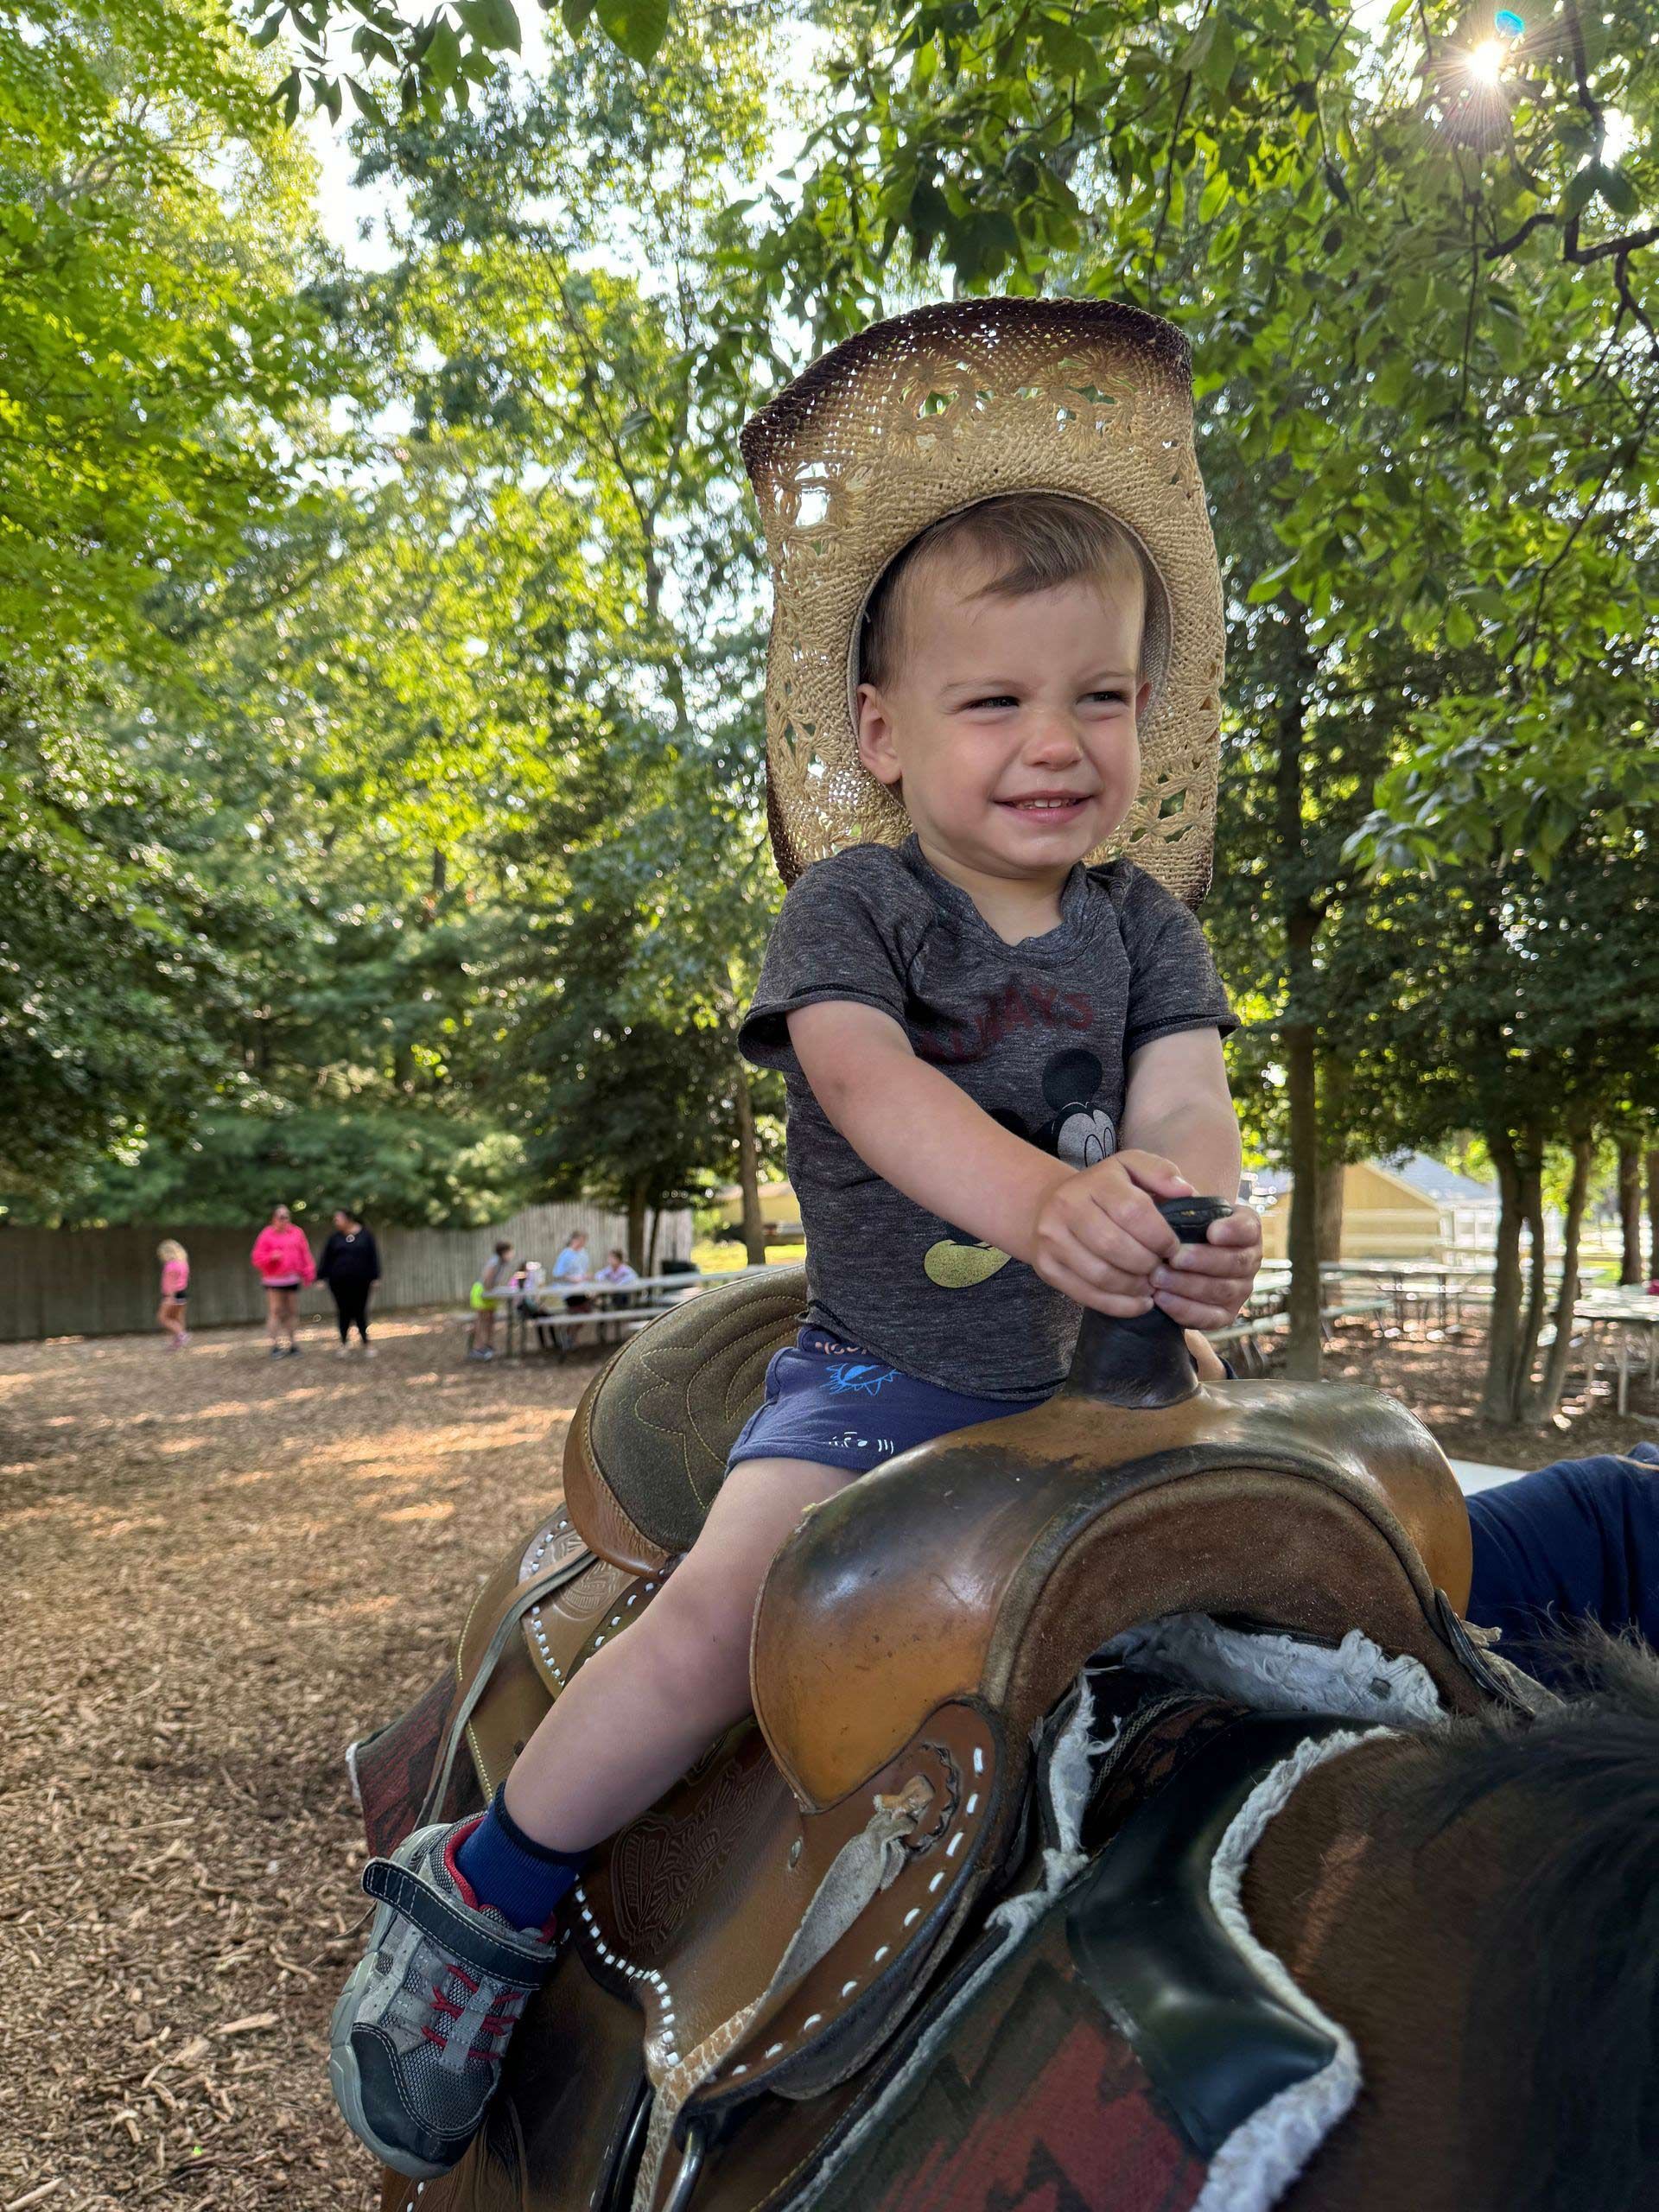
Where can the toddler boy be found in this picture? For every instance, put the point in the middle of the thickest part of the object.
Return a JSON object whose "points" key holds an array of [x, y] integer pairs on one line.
{"points": [[997, 1058]]}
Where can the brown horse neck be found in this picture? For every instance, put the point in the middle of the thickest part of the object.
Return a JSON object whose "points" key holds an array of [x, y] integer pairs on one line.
{"points": [[1383, 1929]]}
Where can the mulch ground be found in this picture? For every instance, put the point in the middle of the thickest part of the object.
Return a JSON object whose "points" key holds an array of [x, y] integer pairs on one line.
{"points": [[1439, 1379], [219, 1569]]}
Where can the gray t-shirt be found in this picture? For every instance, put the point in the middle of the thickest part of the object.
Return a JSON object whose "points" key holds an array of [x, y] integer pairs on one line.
{"points": [[1038, 1033]]}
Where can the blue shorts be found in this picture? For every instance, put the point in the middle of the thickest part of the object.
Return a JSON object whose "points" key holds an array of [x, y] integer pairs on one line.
{"points": [[832, 1404]]}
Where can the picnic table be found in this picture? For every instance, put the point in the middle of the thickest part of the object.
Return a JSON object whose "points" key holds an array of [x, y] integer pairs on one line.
{"points": [[621, 1307], [1253, 1337], [1631, 1313]]}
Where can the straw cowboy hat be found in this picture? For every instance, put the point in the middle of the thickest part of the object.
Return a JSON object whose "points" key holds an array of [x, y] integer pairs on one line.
{"points": [[919, 417]]}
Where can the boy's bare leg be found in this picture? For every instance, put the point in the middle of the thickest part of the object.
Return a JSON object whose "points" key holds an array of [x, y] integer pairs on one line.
{"points": [[466, 1916], [642, 1708]]}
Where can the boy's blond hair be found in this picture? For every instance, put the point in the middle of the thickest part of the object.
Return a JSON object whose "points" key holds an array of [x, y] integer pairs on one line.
{"points": [[1032, 542], [170, 1248]]}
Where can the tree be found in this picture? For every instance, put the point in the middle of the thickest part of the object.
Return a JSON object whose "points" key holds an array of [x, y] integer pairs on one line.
{"points": [[153, 242], [1521, 1007], [573, 223]]}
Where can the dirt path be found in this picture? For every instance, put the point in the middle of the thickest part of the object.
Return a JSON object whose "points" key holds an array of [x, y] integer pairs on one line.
{"points": [[219, 1568]]}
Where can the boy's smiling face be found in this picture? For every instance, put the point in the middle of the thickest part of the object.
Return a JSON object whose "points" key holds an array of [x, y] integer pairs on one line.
{"points": [[1010, 724]]}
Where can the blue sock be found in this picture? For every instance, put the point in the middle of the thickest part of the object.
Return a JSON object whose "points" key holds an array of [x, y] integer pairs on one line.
{"points": [[510, 1871]]}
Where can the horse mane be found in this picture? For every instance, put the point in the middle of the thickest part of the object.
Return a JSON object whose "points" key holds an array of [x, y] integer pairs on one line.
{"points": [[1572, 1952]]}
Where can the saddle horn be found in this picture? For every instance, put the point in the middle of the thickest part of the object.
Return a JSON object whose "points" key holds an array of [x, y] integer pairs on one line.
{"points": [[1143, 1360]]}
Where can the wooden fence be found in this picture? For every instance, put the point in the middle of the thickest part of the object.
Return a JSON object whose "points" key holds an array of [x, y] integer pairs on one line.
{"points": [[97, 1282]]}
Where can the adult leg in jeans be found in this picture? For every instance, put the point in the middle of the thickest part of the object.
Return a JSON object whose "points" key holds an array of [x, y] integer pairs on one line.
{"points": [[1577, 1541]]}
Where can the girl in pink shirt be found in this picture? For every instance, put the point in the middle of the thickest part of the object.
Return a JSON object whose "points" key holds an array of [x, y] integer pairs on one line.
{"points": [[283, 1259], [176, 1288]]}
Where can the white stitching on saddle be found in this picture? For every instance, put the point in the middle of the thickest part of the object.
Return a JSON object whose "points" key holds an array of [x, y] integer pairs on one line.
{"points": [[954, 1846], [979, 1760], [972, 1806], [555, 1528], [937, 1879], [540, 1634], [658, 1981], [880, 1954]]}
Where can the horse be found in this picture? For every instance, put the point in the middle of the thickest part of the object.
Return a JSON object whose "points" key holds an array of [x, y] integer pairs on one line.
{"points": [[1128, 1821]]}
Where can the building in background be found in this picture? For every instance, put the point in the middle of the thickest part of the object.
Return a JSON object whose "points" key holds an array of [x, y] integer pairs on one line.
{"points": [[780, 1210], [1410, 1207]]}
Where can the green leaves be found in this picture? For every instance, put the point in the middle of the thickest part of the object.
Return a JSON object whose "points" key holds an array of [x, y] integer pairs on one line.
{"points": [[638, 27], [440, 54], [493, 23]]}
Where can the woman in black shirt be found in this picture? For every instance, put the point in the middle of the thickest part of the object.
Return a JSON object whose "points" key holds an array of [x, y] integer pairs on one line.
{"points": [[351, 1267]]}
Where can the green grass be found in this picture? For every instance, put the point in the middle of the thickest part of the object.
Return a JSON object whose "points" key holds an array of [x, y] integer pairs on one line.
{"points": [[717, 1259]]}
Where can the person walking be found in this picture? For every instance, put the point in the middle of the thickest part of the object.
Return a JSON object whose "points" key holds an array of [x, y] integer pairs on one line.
{"points": [[283, 1260], [351, 1267], [176, 1288]]}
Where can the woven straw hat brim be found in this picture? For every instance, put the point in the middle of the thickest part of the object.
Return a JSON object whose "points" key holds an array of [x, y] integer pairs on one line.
{"points": [[919, 417]]}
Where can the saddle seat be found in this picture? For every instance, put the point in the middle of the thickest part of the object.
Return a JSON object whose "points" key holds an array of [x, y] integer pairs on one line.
{"points": [[777, 1914]]}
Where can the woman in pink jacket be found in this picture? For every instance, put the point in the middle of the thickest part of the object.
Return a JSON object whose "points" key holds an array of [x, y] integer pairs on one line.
{"points": [[283, 1259]]}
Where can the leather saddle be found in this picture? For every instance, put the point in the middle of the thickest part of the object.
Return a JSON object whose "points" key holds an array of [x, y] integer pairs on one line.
{"points": [[779, 1914]]}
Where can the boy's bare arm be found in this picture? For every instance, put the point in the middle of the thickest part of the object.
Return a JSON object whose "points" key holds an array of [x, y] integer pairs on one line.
{"points": [[1177, 1103], [916, 1128], [1094, 1233]]}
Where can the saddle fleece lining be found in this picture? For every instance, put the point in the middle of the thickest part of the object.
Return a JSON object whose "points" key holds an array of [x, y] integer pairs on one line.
{"points": [[1271, 1673]]}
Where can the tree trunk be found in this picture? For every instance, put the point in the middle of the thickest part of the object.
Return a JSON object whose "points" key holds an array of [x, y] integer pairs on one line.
{"points": [[638, 1192], [1304, 1350], [1548, 1397], [1330, 1178], [748, 1174], [1532, 1205], [1333, 1100], [1497, 1393], [650, 1267], [1298, 1031], [1629, 1209], [1653, 1214]]}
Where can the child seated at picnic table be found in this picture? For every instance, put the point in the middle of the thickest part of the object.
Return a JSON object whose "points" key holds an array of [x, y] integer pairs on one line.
{"points": [[1000, 1039], [616, 1274]]}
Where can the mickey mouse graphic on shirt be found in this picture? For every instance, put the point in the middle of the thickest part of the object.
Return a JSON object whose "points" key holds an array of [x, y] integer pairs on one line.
{"points": [[1078, 1132]]}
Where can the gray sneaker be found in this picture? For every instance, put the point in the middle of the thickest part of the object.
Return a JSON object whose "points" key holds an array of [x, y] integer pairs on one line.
{"points": [[418, 2034]]}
